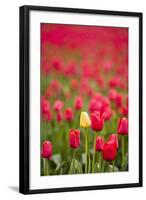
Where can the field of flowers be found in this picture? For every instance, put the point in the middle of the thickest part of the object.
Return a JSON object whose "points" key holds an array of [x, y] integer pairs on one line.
{"points": [[84, 99]]}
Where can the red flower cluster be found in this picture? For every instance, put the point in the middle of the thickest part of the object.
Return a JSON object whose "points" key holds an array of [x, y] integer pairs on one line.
{"points": [[88, 72], [101, 104]]}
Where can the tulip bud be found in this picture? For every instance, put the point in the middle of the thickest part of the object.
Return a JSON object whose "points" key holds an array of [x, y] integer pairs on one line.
{"points": [[74, 138], [58, 105], [45, 105], [59, 117], [46, 150], [119, 100], [109, 152], [84, 120], [123, 126], [68, 114], [99, 143], [112, 95], [97, 121], [47, 116], [124, 110], [78, 103]]}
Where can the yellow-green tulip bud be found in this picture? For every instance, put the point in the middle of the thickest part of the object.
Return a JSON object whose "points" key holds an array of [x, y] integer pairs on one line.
{"points": [[84, 120]]}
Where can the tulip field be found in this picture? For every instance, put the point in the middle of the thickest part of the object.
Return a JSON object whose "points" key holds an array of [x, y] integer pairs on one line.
{"points": [[84, 99]]}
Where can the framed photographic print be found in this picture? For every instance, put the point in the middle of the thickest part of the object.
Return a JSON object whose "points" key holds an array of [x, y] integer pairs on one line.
{"points": [[80, 99]]}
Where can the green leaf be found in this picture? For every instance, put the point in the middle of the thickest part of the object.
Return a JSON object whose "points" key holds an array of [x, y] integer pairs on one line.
{"points": [[78, 167], [97, 167], [75, 167], [110, 168], [57, 159], [61, 166], [83, 158], [125, 164], [72, 167]]}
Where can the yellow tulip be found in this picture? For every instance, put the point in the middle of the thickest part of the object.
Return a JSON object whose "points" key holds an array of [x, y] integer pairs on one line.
{"points": [[84, 120]]}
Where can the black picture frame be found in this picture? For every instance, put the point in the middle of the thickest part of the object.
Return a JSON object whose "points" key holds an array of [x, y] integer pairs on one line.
{"points": [[24, 98]]}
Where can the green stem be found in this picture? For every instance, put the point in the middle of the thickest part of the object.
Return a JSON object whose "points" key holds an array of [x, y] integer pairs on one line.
{"points": [[103, 165], [67, 141], [94, 151], [74, 155], [86, 150], [122, 151], [46, 166], [113, 165], [99, 160]]}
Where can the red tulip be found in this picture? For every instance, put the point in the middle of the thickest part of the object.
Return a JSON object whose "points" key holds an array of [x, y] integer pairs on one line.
{"points": [[48, 93], [78, 103], [118, 100], [115, 82], [47, 116], [68, 114], [74, 138], [95, 105], [100, 82], [109, 151], [45, 109], [57, 64], [70, 69], [112, 94], [107, 113], [59, 117], [46, 150], [123, 126], [58, 105], [114, 139], [55, 86], [74, 84], [97, 121], [99, 143], [45, 105], [124, 111]]}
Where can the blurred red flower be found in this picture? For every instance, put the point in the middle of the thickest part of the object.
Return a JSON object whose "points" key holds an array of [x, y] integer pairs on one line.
{"points": [[45, 105], [78, 104], [45, 109], [74, 84], [58, 105], [68, 114], [108, 113], [59, 116], [124, 110], [118, 100], [57, 64], [112, 94]]}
